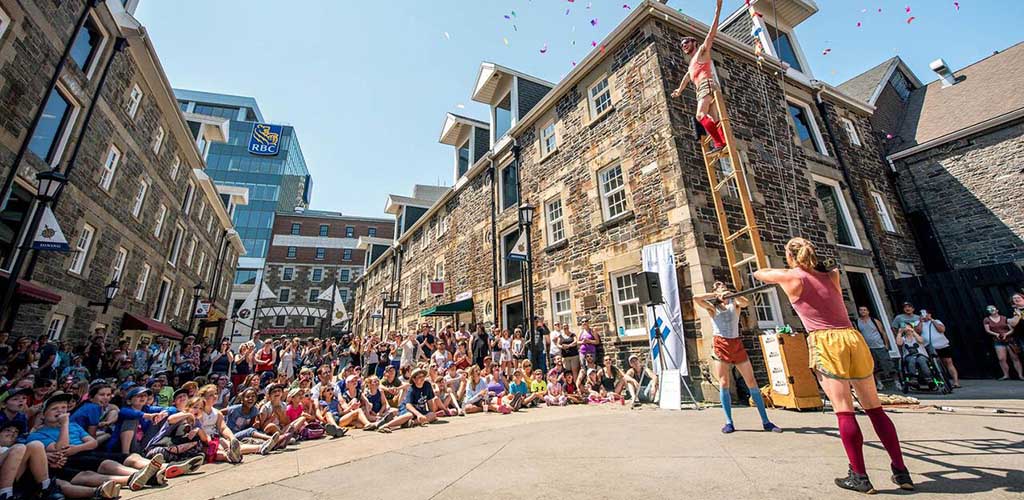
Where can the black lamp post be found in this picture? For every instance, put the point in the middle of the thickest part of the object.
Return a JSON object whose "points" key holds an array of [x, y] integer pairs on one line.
{"points": [[109, 292], [197, 293], [526, 212], [49, 183]]}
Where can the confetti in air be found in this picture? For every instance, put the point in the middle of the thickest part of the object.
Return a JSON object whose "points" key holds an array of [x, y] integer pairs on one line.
{"points": [[544, 49], [447, 36], [910, 19], [593, 22]]}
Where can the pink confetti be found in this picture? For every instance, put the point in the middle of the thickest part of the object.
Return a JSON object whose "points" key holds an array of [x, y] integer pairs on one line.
{"points": [[574, 62], [859, 24], [593, 22], [625, 6], [910, 19], [593, 44], [879, 10], [888, 136], [908, 9], [957, 5], [826, 52]]}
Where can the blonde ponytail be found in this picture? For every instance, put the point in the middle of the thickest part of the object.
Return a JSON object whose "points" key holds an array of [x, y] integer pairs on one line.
{"points": [[801, 253]]}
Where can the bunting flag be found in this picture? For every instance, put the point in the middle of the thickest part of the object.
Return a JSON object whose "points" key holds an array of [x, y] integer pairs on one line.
{"points": [[339, 314], [248, 309]]}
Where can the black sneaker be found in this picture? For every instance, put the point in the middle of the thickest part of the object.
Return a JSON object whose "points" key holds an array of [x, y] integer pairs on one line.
{"points": [[856, 482], [902, 479]]}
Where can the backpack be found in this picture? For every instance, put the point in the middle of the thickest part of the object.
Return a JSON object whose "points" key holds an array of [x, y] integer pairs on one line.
{"points": [[313, 430]]}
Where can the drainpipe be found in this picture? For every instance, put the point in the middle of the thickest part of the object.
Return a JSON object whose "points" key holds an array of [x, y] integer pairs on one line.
{"points": [[858, 202], [220, 259], [494, 241], [398, 270]]}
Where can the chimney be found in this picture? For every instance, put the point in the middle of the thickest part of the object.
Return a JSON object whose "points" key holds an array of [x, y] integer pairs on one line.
{"points": [[940, 68]]}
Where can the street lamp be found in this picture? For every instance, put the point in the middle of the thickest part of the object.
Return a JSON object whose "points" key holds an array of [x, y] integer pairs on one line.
{"points": [[526, 212], [197, 293], [109, 292], [49, 183]]}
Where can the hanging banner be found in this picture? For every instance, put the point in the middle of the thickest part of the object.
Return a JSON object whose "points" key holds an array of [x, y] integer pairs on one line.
{"points": [[49, 237], [518, 251], [668, 317]]}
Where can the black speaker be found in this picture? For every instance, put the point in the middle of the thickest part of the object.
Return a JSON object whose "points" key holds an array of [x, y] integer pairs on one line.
{"points": [[648, 288]]}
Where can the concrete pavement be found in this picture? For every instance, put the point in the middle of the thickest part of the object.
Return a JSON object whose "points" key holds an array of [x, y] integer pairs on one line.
{"points": [[614, 452]]}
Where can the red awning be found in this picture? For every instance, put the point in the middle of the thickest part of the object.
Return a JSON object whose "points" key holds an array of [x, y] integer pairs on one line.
{"points": [[133, 322], [36, 294]]}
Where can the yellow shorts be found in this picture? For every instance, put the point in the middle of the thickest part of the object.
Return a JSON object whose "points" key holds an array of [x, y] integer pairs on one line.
{"points": [[840, 353]]}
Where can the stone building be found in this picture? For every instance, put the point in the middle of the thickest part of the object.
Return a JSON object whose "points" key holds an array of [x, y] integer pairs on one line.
{"points": [[138, 208], [311, 250], [610, 162]]}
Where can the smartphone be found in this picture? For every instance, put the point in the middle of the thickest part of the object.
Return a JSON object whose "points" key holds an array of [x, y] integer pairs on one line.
{"points": [[924, 312]]}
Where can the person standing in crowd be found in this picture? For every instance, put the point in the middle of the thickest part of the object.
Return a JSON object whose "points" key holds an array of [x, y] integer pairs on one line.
{"points": [[589, 343], [1003, 342], [140, 356], [934, 334], [871, 329], [541, 329], [264, 361], [1016, 322], [222, 359], [841, 360]]}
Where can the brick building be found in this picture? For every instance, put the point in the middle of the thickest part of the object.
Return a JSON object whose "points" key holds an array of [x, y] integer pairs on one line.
{"points": [[137, 208], [309, 251], [610, 163]]}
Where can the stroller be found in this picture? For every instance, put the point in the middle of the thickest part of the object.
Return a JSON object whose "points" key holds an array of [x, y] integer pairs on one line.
{"points": [[937, 382]]}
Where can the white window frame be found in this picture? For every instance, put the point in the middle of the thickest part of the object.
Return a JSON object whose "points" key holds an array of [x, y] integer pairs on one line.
{"points": [[163, 297], [134, 99], [812, 121], [548, 131], [286, 292], [5, 23], [161, 215], [442, 226], [158, 140], [140, 198], [439, 271], [593, 98], [280, 321], [851, 131], [190, 196], [64, 136], [620, 305], [94, 63], [311, 321], [559, 315], [344, 275], [886, 315], [501, 189], [424, 286], [605, 195], [312, 294], [884, 216], [772, 305], [312, 275], [190, 254], [284, 273], [319, 253], [143, 281], [179, 236], [202, 263], [175, 166], [347, 252], [504, 254], [82, 246], [178, 300], [55, 328], [120, 260], [109, 168], [555, 225], [843, 208]]}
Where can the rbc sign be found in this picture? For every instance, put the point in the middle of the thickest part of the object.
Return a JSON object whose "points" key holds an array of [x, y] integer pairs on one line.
{"points": [[265, 139]]}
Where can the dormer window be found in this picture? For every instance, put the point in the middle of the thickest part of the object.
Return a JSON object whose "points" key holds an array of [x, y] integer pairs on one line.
{"points": [[463, 159], [503, 117], [785, 47]]}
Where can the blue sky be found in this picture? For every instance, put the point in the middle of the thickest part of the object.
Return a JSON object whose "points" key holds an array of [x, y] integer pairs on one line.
{"points": [[367, 84]]}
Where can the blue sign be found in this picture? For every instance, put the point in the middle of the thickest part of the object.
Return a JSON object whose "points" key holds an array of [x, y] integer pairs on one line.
{"points": [[265, 139]]}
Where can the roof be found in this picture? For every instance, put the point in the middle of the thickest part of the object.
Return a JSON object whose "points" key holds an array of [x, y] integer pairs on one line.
{"points": [[491, 74], [325, 214], [453, 125], [985, 90], [222, 99], [868, 85]]}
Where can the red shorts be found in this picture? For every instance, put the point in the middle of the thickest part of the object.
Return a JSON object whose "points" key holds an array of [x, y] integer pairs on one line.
{"points": [[729, 350]]}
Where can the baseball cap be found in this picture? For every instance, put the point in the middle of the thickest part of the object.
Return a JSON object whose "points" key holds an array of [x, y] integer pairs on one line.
{"points": [[351, 378], [25, 391], [127, 385], [137, 390], [448, 364], [179, 392], [58, 397]]}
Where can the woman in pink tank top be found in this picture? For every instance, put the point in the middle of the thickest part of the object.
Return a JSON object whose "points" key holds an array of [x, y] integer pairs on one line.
{"points": [[840, 358]]}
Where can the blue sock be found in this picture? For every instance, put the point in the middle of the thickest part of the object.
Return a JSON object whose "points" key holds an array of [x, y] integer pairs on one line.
{"points": [[726, 398], [759, 401]]}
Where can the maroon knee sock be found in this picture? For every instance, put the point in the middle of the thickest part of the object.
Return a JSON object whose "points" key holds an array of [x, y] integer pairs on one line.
{"points": [[853, 440], [714, 131], [887, 434]]}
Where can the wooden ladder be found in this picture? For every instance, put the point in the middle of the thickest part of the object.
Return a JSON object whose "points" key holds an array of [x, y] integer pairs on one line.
{"points": [[749, 230]]}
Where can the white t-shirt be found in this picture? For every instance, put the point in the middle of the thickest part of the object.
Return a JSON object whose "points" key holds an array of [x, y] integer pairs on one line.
{"points": [[409, 352], [932, 336], [556, 350]]}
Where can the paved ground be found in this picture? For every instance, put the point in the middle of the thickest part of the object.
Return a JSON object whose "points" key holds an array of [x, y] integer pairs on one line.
{"points": [[614, 452]]}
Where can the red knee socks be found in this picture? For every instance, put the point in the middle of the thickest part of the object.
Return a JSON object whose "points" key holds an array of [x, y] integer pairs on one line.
{"points": [[714, 131], [853, 440], [887, 434]]}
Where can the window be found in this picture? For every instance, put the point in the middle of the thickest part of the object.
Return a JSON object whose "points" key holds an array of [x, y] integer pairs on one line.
{"points": [[5, 22], [175, 166], [191, 252], [346, 254], [13, 221], [321, 253], [371, 232], [900, 84], [805, 128], [724, 169], [287, 273], [317, 275], [463, 158], [82, 249], [600, 97], [190, 193], [158, 139], [613, 192], [561, 307], [120, 258], [50, 135], [556, 224], [110, 167], [509, 186], [284, 295], [56, 327], [140, 198], [178, 300], [162, 298], [344, 275], [883, 212], [310, 321], [439, 271], [87, 45], [851, 131], [134, 98], [343, 295], [424, 286], [314, 293], [280, 321], [179, 234], [837, 215], [296, 228], [201, 264], [158, 227], [140, 289], [511, 270], [209, 222], [502, 117], [785, 49], [350, 232], [291, 253], [765, 304], [548, 140], [324, 228], [245, 277], [628, 311]]}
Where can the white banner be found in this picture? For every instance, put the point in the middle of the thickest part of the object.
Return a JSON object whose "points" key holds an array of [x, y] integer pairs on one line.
{"points": [[658, 258], [518, 251], [776, 369], [49, 236]]}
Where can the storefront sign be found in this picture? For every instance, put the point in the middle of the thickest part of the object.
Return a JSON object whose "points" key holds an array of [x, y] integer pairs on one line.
{"points": [[265, 139], [437, 288], [202, 309], [287, 331]]}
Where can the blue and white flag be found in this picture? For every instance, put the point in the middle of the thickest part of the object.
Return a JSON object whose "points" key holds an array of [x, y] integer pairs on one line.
{"points": [[659, 258]]}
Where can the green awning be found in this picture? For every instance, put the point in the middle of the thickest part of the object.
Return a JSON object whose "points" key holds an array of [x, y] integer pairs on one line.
{"points": [[459, 306]]}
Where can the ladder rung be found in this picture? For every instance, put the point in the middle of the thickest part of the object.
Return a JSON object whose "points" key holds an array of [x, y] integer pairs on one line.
{"points": [[732, 237], [752, 258], [727, 178]]}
